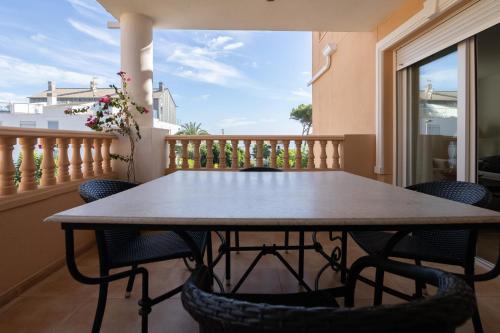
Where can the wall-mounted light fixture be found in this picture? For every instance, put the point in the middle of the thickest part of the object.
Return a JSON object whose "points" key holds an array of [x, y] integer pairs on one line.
{"points": [[328, 50]]}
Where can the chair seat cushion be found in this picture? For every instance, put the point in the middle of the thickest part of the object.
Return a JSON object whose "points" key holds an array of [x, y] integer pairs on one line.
{"points": [[409, 247], [154, 247]]}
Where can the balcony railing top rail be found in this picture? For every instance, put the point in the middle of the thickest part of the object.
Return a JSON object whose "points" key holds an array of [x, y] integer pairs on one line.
{"points": [[49, 161], [287, 152], [51, 133]]}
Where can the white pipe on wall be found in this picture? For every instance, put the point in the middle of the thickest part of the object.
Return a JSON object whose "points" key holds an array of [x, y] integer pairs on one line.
{"points": [[328, 50]]}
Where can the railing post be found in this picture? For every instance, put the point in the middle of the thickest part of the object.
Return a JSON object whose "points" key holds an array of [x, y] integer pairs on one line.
{"points": [[222, 154], [298, 154], [210, 154], [234, 157], [197, 163], [98, 157], [28, 168], [247, 153], [7, 168], [63, 162], [88, 170], [273, 153], [172, 164], [48, 165], [76, 160], [323, 165], [286, 155], [336, 156], [259, 158], [106, 158], [310, 154], [185, 163]]}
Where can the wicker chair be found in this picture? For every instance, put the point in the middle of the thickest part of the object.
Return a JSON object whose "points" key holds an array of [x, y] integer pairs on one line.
{"points": [[451, 247], [129, 247], [318, 311]]}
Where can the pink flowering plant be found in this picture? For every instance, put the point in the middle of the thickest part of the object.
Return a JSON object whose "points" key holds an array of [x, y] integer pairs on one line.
{"points": [[115, 114]]}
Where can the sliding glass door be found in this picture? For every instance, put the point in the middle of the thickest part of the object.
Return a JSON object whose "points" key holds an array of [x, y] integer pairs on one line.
{"points": [[488, 127], [432, 118]]}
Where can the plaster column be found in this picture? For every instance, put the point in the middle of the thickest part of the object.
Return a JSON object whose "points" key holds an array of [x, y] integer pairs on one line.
{"points": [[136, 37]]}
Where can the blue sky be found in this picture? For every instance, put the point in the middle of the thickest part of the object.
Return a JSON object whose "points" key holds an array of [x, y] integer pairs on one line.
{"points": [[244, 82], [442, 73]]}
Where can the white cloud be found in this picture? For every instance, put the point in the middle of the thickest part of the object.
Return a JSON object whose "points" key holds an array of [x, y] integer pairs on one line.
{"points": [[85, 4], [196, 64], [205, 96], [236, 122], [97, 33], [302, 93], [219, 41], [10, 97], [306, 73], [39, 37], [233, 46], [14, 71]]}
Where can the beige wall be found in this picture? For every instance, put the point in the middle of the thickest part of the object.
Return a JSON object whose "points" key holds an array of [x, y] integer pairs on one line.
{"points": [[29, 246], [344, 97]]}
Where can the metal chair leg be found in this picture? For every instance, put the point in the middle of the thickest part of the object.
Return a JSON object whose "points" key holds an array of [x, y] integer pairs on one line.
{"points": [[287, 240], [101, 306], [130, 283], [343, 258], [228, 258], [419, 285], [237, 240], [379, 286], [301, 255]]}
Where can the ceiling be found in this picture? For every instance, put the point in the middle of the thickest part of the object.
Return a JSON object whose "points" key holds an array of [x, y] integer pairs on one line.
{"points": [[293, 15]]}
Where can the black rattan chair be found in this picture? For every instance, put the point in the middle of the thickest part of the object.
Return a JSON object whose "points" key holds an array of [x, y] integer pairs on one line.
{"points": [[451, 247], [119, 249], [318, 312]]}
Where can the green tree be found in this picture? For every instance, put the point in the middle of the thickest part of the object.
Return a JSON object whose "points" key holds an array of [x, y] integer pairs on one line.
{"points": [[303, 113], [192, 128]]}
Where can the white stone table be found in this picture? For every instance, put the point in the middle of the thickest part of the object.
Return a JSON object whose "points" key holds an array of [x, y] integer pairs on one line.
{"points": [[273, 200]]}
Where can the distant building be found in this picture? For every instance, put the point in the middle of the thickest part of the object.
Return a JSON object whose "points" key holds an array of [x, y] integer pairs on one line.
{"points": [[46, 108]]}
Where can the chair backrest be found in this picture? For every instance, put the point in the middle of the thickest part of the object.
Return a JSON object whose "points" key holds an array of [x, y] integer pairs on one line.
{"points": [[260, 169], [456, 242], [96, 189], [450, 307]]}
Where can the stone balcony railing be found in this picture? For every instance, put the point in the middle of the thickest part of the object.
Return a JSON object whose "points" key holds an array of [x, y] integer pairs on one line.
{"points": [[67, 157], [313, 152]]}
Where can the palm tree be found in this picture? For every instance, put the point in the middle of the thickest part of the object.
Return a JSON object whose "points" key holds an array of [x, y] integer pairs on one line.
{"points": [[191, 128]]}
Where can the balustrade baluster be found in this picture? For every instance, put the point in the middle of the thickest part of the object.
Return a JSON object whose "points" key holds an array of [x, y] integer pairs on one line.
{"points": [[341, 155], [185, 163], [48, 165], [88, 161], [98, 171], [310, 154], [28, 168], [106, 158], [323, 165], [259, 158], [247, 153], [76, 160], [222, 154], [7, 168], [172, 164], [286, 154], [62, 160], [273, 153], [196, 156], [234, 160], [336, 162], [298, 154], [210, 154]]}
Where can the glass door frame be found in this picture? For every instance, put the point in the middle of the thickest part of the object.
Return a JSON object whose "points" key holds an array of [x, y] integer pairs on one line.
{"points": [[466, 118]]}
